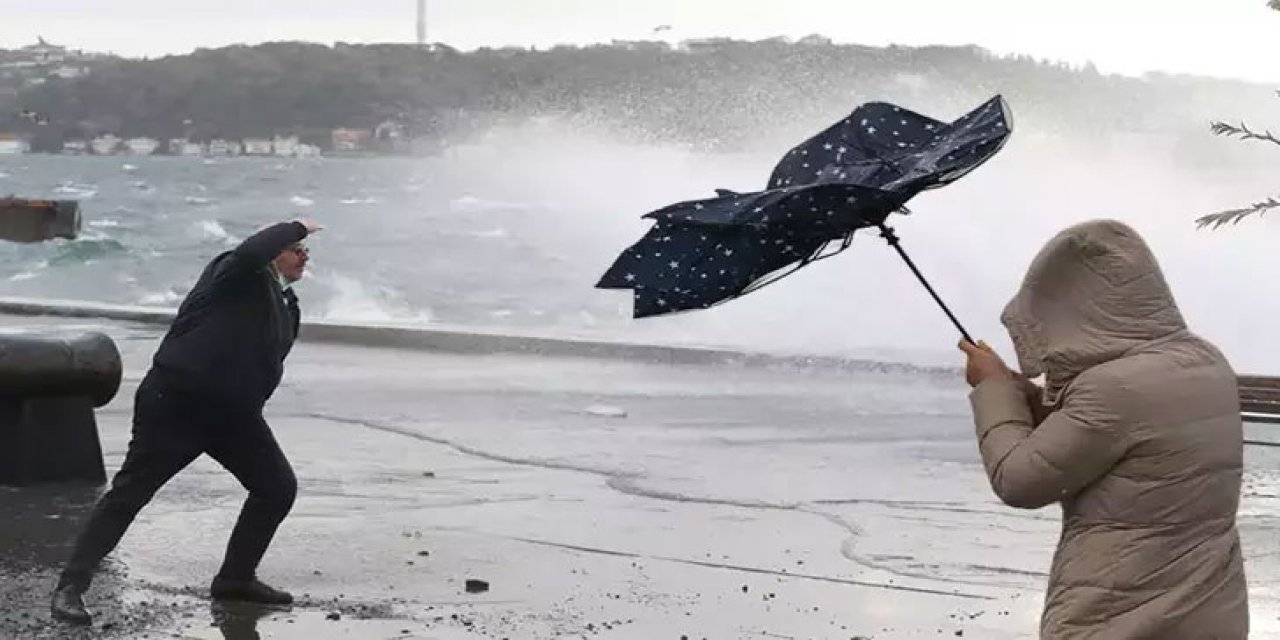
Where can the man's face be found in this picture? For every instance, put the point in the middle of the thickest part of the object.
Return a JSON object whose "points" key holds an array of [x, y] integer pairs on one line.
{"points": [[292, 262]]}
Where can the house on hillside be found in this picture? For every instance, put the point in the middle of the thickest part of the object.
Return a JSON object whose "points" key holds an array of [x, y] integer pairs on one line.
{"points": [[815, 40], [38, 63], [43, 52], [704, 45], [69, 72]]}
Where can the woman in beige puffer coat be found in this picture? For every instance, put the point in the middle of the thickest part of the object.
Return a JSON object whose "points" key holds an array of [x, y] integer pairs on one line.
{"points": [[1137, 433]]}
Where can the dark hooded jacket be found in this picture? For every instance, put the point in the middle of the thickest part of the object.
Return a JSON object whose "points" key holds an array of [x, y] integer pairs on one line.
{"points": [[236, 326]]}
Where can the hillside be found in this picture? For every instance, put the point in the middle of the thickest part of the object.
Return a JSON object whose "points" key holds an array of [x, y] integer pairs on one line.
{"points": [[709, 94]]}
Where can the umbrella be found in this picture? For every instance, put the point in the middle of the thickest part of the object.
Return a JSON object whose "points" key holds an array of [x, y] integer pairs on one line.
{"points": [[851, 176]]}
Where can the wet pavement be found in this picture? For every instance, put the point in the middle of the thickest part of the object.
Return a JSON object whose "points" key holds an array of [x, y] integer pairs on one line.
{"points": [[594, 498]]}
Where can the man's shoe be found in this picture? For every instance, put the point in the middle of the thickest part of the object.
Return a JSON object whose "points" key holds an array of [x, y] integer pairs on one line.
{"points": [[248, 591], [68, 605]]}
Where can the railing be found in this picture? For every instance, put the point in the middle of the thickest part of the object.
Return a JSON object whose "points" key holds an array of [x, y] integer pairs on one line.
{"points": [[1260, 404], [1260, 398]]}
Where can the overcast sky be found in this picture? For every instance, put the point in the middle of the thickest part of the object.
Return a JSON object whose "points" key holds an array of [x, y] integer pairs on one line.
{"points": [[1230, 38]]}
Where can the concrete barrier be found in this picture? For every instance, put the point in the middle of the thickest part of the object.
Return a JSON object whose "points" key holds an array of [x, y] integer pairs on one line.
{"points": [[468, 340], [50, 385]]}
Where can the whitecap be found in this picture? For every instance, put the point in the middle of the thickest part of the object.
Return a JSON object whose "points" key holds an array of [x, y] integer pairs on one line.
{"points": [[213, 230], [166, 298], [76, 189], [476, 205]]}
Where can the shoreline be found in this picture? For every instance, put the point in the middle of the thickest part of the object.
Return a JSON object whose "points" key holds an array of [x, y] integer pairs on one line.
{"points": [[475, 340]]}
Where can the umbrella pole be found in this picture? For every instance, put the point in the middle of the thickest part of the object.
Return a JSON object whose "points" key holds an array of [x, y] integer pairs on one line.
{"points": [[892, 239]]}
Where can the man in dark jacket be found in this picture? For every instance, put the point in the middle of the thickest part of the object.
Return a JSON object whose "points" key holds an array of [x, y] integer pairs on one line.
{"points": [[215, 369]]}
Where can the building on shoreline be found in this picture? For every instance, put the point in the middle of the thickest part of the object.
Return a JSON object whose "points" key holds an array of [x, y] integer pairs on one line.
{"points": [[386, 139], [141, 146], [221, 148], [105, 145], [12, 145]]}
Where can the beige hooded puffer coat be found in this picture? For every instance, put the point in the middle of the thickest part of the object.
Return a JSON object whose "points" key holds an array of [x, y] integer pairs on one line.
{"points": [[1137, 433]]}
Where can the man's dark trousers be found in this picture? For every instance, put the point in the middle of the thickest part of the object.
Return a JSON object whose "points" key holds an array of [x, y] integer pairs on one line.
{"points": [[171, 428]]}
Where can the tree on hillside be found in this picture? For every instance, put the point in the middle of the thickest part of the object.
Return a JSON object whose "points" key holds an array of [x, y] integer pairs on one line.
{"points": [[1232, 216]]}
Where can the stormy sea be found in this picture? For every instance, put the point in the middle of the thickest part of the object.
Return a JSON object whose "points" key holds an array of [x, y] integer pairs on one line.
{"points": [[513, 231]]}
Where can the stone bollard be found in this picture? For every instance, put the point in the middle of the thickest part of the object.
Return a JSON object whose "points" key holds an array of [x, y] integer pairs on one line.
{"points": [[23, 220], [49, 387]]}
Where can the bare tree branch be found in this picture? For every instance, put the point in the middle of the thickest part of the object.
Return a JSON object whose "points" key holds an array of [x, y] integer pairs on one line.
{"points": [[1243, 131], [1234, 216]]}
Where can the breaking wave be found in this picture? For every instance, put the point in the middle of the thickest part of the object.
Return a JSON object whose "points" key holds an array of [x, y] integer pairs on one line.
{"points": [[87, 250], [515, 231], [213, 230], [352, 301], [76, 190]]}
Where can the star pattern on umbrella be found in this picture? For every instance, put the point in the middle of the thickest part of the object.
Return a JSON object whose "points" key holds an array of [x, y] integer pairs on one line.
{"points": [[850, 176]]}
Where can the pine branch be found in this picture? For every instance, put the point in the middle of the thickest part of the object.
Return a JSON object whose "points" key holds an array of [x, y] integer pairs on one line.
{"points": [[1243, 131], [1234, 216]]}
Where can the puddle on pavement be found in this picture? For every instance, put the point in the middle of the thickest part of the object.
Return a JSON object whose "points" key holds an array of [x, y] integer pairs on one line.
{"points": [[249, 622]]}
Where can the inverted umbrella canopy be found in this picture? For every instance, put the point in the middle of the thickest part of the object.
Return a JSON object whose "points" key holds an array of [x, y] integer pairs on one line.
{"points": [[848, 177]]}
